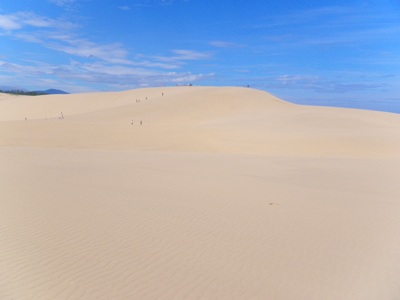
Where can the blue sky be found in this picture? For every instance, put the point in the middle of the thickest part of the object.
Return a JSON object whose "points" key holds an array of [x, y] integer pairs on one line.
{"points": [[325, 52]]}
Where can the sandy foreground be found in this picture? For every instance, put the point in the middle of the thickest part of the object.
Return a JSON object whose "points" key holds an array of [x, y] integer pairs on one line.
{"points": [[196, 193]]}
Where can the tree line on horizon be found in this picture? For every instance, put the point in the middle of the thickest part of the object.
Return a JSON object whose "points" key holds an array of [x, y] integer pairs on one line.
{"points": [[22, 92]]}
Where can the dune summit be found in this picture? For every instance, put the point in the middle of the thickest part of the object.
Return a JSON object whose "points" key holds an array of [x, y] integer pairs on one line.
{"points": [[196, 193], [196, 119]]}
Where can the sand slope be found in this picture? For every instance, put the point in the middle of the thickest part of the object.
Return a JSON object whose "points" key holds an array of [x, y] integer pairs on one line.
{"points": [[228, 120], [221, 193]]}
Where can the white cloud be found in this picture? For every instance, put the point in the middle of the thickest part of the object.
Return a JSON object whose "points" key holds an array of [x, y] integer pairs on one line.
{"points": [[32, 69], [36, 21], [116, 70], [181, 55], [85, 74], [153, 3], [124, 77], [319, 84], [62, 2], [21, 20], [331, 26], [109, 64], [188, 77], [222, 44], [190, 55], [9, 22], [143, 61], [84, 48], [61, 36]]}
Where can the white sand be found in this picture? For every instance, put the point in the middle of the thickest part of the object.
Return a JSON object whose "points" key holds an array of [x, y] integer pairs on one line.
{"points": [[221, 193]]}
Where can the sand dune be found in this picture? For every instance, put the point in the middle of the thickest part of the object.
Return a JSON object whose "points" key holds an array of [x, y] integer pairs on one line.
{"points": [[199, 119], [220, 193]]}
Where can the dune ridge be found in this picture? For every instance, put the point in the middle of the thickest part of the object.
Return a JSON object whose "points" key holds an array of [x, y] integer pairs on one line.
{"points": [[197, 119], [220, 193]]}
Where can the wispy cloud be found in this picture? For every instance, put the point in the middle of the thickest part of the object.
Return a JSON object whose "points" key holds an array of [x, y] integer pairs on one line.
{"points": [[28, 69], [223, 44], [114, 76], [99, 63], [108, 64], [318, 84], [113, 53], [62, 3], [153, 62], [61, 35], [9, 22], [180, 55], [331, 25], [125, 77], [20, 20], [327, 14], [350, 36], [190, 55], [155, 3]]}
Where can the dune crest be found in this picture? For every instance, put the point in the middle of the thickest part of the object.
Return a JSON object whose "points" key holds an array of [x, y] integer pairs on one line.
{"points": [[196, 119]]}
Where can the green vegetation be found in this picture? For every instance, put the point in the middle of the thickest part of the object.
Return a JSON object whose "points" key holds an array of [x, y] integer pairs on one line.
{"points": [[21, 92]]}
